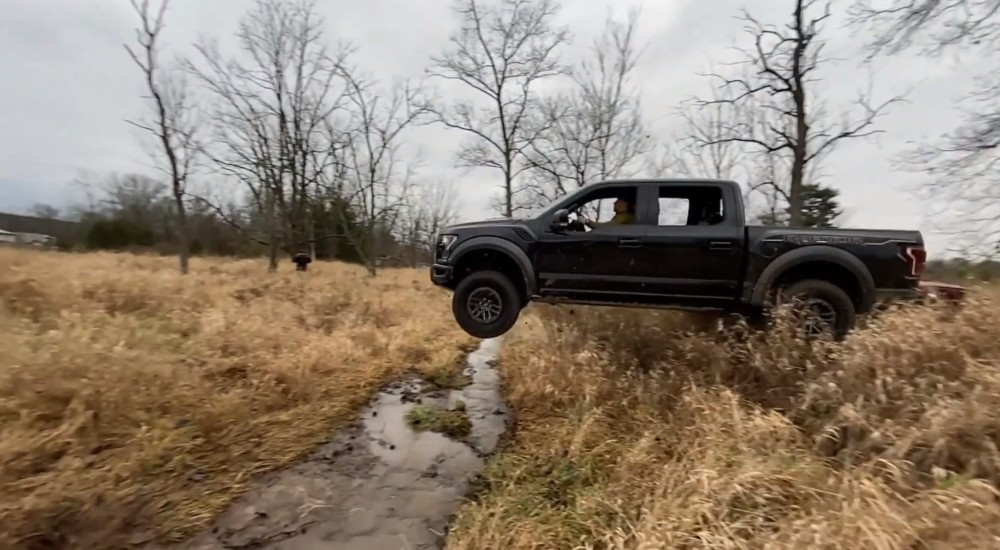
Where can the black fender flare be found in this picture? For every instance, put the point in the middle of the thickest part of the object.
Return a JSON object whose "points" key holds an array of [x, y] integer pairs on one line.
{"points": [[504, 246], [816, 253]]}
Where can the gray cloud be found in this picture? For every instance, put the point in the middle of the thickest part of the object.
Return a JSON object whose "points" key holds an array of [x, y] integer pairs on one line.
{"points": [[70, 87]]}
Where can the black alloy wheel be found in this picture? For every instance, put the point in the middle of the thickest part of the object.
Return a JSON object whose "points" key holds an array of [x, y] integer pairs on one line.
{"points": [[486, 304], [822, 308]]}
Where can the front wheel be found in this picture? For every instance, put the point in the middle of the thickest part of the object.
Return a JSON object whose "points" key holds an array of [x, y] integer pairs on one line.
{"points": [[823, 306], [486, 304]]}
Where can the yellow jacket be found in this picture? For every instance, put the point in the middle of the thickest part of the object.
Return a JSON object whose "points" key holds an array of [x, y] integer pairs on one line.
{"points": [[620, 218]]}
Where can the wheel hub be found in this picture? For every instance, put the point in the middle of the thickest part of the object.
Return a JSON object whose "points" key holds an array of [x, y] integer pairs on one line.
{"points": [[484, 305], [819, 316]]}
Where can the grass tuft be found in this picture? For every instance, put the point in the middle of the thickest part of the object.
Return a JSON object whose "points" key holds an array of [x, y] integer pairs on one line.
{"points": [[453, 423], [449, 374]]}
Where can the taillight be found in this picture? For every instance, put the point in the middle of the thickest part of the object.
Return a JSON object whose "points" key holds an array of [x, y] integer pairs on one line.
{"points": [[917, 256]]}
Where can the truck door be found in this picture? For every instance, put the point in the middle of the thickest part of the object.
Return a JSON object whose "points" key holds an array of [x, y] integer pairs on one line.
{"points": [[593, 265], [695, 248]]}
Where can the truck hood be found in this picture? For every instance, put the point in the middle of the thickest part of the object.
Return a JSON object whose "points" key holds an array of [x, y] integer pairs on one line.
{"points": [[492, 222]]}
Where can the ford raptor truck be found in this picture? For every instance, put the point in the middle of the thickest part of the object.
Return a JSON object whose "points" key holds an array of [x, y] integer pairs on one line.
{"points": [[686, 246]]}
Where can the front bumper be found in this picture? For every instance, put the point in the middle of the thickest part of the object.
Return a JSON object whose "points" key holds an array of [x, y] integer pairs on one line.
{"points": [[441, 274]]}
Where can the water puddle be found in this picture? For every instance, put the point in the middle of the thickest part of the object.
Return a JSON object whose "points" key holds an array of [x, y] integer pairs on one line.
{"points": [[378, 484]]}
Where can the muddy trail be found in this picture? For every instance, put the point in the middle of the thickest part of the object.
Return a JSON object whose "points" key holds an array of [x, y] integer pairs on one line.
{"points": [[378, 484]]}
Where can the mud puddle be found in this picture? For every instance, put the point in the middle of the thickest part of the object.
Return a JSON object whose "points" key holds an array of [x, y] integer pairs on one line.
{"points": [[378, 485]]}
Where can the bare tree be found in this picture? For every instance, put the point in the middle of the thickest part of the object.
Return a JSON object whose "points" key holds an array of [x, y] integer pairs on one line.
{"points": [[502, 50], [172, 123], [595, 131], [431, 207], [369, 175], [964, 164], [702, 149], [271, 114], [438, 208], [777, 87]]}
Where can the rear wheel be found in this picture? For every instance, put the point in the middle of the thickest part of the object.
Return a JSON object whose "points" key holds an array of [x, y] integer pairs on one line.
{"points": [[486, 304], [820, 307]]}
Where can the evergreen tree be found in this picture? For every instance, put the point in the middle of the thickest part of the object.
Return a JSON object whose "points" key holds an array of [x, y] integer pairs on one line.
{"points": [[820, 208]]}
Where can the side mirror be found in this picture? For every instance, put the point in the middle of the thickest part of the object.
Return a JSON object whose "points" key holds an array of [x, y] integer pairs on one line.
{"points": [[560, 221]]}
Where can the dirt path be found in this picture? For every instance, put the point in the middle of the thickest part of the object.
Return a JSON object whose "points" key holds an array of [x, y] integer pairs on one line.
{"points": [[378, 484]]}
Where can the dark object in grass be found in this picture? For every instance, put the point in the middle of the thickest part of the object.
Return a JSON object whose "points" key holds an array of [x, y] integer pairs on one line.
{"points": [[302, 261]]}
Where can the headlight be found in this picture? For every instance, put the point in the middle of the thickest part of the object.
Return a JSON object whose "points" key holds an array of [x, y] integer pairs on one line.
{"points": [[444, 244]]}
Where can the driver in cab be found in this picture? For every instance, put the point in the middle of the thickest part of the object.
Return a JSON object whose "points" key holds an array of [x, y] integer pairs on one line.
{"points": [[624, 215]]}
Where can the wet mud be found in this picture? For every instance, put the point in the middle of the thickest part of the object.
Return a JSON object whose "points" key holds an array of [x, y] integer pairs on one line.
{"points": [[377, 484]]}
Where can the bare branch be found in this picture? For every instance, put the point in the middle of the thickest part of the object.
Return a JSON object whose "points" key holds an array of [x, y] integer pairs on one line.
{"points": [[932, 26], [373, 183], [771, 106], [431, 206], [171, 123], [595, 131], [271, 112], [961, 167], [501, 52]]}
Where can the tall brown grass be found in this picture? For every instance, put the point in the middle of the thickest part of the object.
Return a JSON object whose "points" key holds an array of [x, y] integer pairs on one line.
{"points": [[647, 430], [137, 403]]}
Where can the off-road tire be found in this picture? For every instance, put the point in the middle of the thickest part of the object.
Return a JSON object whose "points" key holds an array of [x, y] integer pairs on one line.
{"points": [[486, 285], [832, 295]]}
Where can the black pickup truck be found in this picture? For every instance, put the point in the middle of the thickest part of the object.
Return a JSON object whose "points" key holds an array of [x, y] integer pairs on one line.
{"points": [[685, 245]]}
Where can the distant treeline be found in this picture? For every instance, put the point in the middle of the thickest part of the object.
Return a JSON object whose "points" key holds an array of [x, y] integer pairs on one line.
{"points": [[134, 213], [962, 270]]}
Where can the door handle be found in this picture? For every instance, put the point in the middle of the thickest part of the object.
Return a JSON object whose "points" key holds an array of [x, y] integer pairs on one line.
{"points": [[629, 243], [720, 245]]}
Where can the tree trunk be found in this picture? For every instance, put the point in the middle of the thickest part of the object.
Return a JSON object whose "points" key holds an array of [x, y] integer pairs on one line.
{"points": [[801, 144], [183, 235], [272, 257], [272, 239], [371, 262], [508, 187], [311, 233], [795, 191]]}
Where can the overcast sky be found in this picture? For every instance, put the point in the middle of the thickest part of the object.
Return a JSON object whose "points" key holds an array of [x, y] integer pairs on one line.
{"points": [[69, 86]]}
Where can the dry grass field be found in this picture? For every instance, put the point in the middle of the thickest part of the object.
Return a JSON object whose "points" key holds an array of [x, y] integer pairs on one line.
{"points": [[136, 403], [635, 432]]}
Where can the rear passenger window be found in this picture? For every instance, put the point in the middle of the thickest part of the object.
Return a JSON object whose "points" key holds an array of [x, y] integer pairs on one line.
{"points": [[695, 205], [673, 211]]}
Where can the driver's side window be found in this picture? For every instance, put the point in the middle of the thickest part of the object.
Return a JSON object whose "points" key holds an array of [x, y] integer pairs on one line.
{"points": [[598, 210]]}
